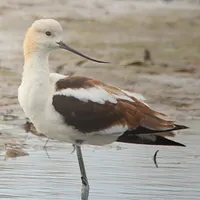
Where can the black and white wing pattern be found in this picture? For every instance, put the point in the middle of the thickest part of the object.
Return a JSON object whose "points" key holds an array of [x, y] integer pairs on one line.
{"points": [[91, 106]]}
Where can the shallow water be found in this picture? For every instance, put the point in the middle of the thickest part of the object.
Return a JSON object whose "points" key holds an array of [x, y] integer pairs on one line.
{"points": [[116, 171]]}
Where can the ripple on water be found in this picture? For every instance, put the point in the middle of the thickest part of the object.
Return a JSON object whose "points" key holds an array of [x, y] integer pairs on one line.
{"points": [[128, 173]]}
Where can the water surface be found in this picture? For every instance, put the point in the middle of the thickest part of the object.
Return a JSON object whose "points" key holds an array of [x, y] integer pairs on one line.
{"points": [[117, 171]]}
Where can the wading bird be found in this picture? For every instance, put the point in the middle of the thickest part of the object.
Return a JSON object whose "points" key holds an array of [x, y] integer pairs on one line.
{"points": [[81, 110]]}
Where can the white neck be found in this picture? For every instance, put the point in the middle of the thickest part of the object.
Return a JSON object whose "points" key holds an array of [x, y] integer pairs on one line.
{"points": [[37, 63], [35, 87]]}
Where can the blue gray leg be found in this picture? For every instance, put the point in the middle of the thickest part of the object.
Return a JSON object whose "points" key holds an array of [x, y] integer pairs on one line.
{"points": [[85, 184]]}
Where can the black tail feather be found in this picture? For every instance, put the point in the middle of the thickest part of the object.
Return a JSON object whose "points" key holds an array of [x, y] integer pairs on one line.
{"points": [[144, 130], [143, 135], [179, 127], [147, 139]]}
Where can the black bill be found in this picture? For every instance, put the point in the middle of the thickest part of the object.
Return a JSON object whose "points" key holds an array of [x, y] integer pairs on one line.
{"points": [[62, 45]]}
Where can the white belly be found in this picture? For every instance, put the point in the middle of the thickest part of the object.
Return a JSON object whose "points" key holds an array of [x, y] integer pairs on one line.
{"points": [[36, 101]]}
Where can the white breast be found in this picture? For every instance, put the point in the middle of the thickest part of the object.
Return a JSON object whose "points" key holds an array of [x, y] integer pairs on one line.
{"points": [[35, 97], [33, 94]]}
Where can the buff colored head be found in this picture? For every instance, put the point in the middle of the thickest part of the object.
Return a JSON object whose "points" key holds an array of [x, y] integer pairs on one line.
{"points": [[44, 36]]}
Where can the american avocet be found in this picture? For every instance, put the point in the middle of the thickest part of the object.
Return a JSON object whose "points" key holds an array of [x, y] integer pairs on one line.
{"points": [[81, 110]]}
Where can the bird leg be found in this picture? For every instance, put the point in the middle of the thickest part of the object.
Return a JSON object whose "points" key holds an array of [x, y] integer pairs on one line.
{"points": [[46, 143], [85, 184], [74, 148]]}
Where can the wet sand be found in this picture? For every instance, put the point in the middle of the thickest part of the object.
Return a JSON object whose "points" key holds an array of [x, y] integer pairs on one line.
{"points": [[171, 85]]}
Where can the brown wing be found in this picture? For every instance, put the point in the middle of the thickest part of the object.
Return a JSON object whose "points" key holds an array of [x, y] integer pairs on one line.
{"points": [[89, 116]]}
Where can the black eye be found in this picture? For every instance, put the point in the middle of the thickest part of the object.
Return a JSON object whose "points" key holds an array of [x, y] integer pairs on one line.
{"points": [[48, 33]]}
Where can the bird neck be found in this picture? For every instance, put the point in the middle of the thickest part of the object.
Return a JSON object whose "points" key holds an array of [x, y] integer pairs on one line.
{"points": [[37, 63], [35, 86]]}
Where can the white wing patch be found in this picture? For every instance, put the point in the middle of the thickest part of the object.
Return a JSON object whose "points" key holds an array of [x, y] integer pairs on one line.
{"points": [[135, 95], [123, 97], [138, 96], [94, 94]]}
